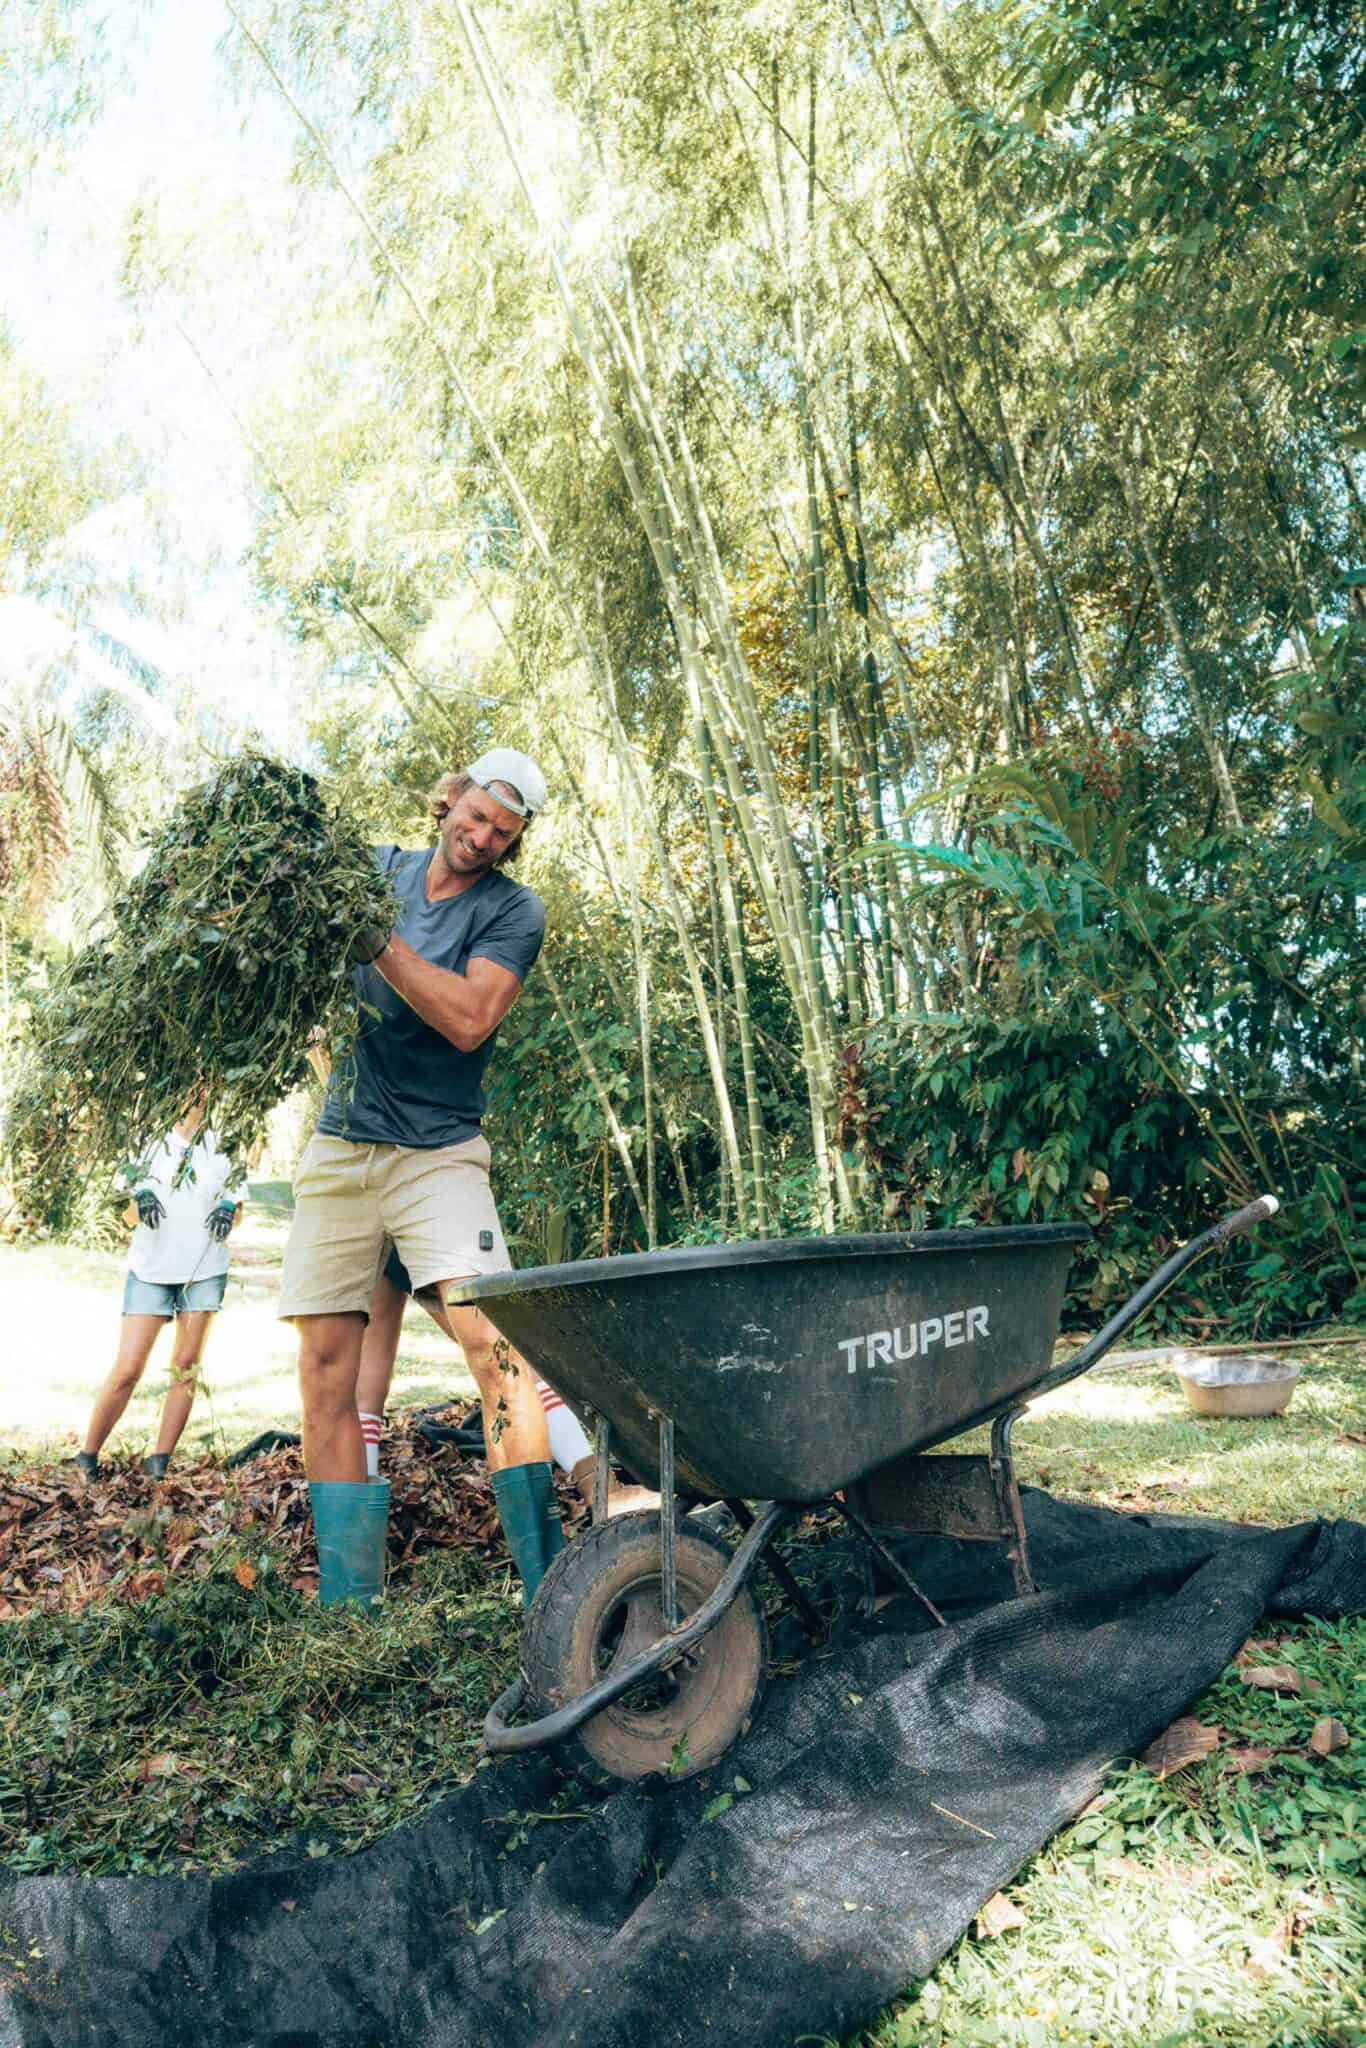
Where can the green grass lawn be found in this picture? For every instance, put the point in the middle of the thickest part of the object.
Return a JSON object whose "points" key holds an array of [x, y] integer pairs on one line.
{"points": [[1225, 1904], [1128, 1438], [1222, 1905]]}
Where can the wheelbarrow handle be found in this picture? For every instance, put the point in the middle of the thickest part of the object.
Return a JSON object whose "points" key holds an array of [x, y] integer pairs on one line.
{"points": [[1243, 1220], [1232, 1226]]}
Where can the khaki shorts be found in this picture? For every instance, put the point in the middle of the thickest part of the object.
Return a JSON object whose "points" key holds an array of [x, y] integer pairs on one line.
{"points": [[350, 1200]]}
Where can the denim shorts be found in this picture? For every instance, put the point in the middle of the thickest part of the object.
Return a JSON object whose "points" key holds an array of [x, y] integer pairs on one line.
{"points": [[173, 1297]]}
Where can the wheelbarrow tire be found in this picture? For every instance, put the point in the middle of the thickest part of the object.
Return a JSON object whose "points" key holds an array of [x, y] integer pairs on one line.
{"points": [[600, 1599]]}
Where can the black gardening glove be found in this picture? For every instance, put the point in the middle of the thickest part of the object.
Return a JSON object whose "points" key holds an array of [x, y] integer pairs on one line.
{"points": [[368, 944], [221, 1221], [149, 1207]]}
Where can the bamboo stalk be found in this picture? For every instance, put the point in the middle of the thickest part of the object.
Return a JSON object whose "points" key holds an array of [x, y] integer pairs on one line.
{"points": [[647, 1087], [897, 932], [739, 976], [535, 533], [615, 1132], [645, 512], [1013, 480], [779, 880], [1204, 724]]}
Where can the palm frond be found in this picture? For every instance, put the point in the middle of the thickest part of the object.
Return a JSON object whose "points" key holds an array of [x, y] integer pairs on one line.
{"points": [[51, 786], [89, 793], [125, 659]]}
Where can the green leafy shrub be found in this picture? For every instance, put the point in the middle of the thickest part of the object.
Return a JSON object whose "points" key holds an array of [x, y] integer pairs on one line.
{"points": [[1165, 1025]]}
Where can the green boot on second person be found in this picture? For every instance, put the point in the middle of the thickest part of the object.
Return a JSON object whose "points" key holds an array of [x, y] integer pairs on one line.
{"points": [[351, 1519], [525, 1496]]}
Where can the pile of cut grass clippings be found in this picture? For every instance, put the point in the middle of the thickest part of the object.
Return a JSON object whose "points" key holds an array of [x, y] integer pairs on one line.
{"points": [[213, 973], [229, 1718], [171, 1693]]}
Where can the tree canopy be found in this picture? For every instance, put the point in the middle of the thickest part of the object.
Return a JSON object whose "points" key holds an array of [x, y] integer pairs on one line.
{"points": [[901, 470]]}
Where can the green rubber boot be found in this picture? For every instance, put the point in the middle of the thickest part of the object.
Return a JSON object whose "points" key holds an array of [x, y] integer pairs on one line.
{"points": [[554, 1527], [531, 1522], [350, 1518]]}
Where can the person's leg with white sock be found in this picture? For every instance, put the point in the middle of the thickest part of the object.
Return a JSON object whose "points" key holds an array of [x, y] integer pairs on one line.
{"points": [[570, 1446], [568, 1437], [379, 1349], [572, 1450]]}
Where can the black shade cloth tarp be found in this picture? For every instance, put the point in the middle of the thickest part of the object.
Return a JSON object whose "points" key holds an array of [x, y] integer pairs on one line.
{"points": [[898, 1779]]}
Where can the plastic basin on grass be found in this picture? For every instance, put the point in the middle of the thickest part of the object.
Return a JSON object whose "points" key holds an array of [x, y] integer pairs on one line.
{"points": [[1236, 1383]]}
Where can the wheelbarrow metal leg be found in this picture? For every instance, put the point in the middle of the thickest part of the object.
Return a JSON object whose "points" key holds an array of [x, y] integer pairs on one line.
{"points": [[504, 1740], [602, 1469], [889, 1563], [668, 1568], [1008, 1501], [811, 1618]]}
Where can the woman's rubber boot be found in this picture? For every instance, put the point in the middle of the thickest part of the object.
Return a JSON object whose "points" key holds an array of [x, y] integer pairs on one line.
{"points": [[526, 1508], [351, 1519]]}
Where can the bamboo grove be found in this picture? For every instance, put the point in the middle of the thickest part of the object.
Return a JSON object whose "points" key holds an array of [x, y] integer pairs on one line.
{"points": [[902, 469]]}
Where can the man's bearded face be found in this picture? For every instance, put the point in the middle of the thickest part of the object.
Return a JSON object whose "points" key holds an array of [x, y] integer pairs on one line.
{"points": [[478, 831]]}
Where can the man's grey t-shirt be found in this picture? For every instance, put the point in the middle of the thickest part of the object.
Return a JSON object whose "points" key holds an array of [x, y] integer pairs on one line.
{"points": [[404, 1084]]}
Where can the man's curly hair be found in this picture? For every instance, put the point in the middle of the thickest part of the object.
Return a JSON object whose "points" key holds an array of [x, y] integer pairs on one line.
{"points": [[445, 792]]}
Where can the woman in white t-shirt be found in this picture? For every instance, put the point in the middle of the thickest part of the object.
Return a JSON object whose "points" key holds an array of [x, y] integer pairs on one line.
{"points": [[177, 1270]]}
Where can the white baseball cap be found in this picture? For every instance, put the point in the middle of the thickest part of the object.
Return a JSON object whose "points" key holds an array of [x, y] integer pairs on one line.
{"points": [[515, 772]]}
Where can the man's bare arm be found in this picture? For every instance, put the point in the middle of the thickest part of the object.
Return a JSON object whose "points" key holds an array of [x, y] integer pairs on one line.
{"points": [[464, 1008]]}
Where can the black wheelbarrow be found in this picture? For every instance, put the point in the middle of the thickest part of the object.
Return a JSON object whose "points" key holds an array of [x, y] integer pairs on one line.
{"points": [[796, 1373]]}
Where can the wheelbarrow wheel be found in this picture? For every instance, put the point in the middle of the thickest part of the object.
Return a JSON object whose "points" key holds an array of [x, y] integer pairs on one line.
{"points": [[600, 1603]]}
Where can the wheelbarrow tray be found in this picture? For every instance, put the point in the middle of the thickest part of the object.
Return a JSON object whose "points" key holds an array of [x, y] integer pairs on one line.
{"points": [[791, 1368]]}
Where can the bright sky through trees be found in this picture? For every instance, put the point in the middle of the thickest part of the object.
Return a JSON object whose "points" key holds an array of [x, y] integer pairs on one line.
{"points": [[179, 136]]}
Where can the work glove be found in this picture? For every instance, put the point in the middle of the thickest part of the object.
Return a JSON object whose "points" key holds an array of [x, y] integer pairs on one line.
{"points": [[149, 1207], [221, 1221], [368, 944]]}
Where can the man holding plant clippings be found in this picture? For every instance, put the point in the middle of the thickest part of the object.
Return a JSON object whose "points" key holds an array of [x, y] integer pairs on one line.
{"points": [[399, 1155]]}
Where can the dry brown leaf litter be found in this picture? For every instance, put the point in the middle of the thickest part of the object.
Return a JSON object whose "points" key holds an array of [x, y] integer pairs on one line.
{"points": [[1185, 1742], [64, 1543]]}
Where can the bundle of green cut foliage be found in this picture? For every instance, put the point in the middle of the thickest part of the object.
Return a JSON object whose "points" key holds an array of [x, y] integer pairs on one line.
{"points": [[212, 975]]}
